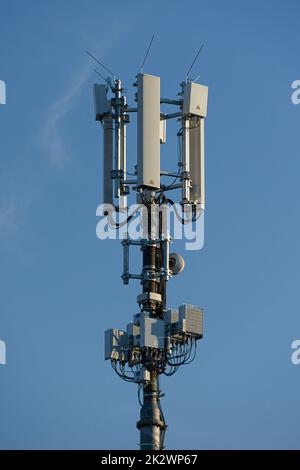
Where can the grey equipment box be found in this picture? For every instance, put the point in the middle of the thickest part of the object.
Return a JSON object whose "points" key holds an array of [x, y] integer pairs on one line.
{"points": [[116, 345], [192, 319], [133, 333], [152, 333], [171, 316]]}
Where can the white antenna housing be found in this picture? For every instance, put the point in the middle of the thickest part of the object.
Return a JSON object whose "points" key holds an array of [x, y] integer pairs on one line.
{"points": [[196, 142], [149, 131], [108, 149], [114, 142], [103, 113], [101, 104], [195, 99], [194, 111]]}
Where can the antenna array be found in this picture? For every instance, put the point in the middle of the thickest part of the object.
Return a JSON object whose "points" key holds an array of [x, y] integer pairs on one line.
{"points": [[158, 340]]}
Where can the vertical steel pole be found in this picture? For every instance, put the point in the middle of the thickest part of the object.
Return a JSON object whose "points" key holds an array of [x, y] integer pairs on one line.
{"points": [[150, 424]]}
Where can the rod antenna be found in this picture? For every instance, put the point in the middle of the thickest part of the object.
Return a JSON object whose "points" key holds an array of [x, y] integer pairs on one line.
{"points": [[100, 63], [193, 63], [100, 75], [146, 55]]}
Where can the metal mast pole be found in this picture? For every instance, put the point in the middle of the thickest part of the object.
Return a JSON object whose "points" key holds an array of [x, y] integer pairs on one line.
{"points": [[151, 423], [159, 340]]}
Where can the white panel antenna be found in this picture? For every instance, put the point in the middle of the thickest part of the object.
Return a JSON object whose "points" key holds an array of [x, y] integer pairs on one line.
{"points": [[195, 99], [102, 106], [148, 131], [194, 110], [196, 141]]}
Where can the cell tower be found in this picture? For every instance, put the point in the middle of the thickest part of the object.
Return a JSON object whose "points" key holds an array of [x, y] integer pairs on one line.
{"points": [[159, 339]]}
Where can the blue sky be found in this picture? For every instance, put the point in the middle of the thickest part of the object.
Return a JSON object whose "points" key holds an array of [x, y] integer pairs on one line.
{"points": [[60, 285]]}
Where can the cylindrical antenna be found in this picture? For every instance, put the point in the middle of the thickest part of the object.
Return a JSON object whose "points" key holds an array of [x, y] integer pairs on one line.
{"points": [[146, 55]]}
